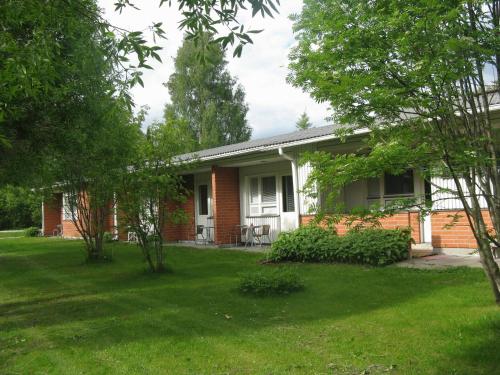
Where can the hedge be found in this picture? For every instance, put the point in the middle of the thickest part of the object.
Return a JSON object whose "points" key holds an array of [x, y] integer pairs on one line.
{"points": [[366, 246]]}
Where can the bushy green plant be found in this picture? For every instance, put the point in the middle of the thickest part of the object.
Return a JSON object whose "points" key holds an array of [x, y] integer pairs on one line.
{"points": [[270, 282], [32, 232], [108, 237], [367, 246]]}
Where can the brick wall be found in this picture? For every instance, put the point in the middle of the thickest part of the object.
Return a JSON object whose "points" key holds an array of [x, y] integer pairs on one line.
{"points": [[184, 231], [399, 220], [226, 202], [459, 235], [52, 214]]}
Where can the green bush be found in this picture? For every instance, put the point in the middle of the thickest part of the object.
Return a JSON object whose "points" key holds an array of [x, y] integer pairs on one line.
{"points": [[367, 246], [32, 232], [270, 282], [108, 237]]}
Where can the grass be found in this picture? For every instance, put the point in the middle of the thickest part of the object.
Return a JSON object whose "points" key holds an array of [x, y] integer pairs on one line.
{"points": [[61, 316], [11, 233]]}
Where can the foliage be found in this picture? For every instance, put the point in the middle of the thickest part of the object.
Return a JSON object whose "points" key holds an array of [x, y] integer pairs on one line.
{"points": [[32, 232], [270, 282], [19, 208], [55, 60], [420, 76], [107, 237], [303, 122], [377, 247], [89, 172], [205, 98], [151, 190]]}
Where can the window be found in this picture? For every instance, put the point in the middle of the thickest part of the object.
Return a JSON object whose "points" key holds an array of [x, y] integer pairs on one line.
{"points": [[399, 185], [287, 193], [203, 199], [373, 187], [67, 207], [262, 196]]}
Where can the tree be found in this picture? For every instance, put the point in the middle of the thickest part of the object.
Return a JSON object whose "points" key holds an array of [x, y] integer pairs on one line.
{"points": [[89, 171], [19, 208], [415, 73], [149, 184], [206, 97], [303, 122], [45, 48]]}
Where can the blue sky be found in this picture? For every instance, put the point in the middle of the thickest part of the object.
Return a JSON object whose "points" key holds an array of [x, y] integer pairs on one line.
{"points": [[274, 105]]}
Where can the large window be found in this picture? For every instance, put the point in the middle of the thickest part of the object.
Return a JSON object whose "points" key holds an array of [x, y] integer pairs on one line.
{"points": [[287, 193], [203, 199], [67, 207], [262, 196], [399, 184]]}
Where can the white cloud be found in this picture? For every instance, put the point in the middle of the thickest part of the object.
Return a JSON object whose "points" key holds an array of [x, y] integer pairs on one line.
{"points": [[274, 105]]}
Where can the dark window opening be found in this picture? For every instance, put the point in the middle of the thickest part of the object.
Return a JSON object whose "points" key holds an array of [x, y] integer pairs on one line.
{"points": [[203, 194], [288, 196], [399, 184]]}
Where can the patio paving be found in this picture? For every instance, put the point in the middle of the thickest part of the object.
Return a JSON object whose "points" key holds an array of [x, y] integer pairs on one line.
{"points": [[443, 261]]}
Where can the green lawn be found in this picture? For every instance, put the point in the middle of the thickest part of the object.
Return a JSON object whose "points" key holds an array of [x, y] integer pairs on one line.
{"points": [[60, 316], [11, 233]]}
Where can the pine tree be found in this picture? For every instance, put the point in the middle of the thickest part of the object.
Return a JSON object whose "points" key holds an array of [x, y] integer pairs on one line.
{"points": [[206, 97], [303, 122]]}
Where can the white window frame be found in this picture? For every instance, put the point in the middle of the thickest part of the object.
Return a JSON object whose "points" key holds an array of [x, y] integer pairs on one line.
{"points": [[66, 211], [260, 206]]}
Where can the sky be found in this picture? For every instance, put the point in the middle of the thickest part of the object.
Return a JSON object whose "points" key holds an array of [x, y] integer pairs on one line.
{"points": [[274, 105]]}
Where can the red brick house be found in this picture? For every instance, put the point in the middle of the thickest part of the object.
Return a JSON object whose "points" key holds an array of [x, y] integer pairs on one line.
{"points": [[260, 182]]}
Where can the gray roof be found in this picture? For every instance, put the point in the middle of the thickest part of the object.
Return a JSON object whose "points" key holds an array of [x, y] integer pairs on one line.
{"points": [[257, 144]]}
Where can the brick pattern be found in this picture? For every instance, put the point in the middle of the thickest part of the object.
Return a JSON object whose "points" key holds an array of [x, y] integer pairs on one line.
{"points": [[399, 220], [184, 231], [52, 214], [226, 202], [459, 235]]}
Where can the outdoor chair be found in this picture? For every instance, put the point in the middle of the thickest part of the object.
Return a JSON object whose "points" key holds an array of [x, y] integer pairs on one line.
{"points": [[200, 232], [132, 237], [57, 232], [260, 236]]}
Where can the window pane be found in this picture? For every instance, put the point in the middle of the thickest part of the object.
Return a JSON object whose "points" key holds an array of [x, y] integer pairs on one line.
{"points": [[399, 185], [269, 189], [373, 187], [269, 210], [287, 186], [254, 190], [203, 194]]}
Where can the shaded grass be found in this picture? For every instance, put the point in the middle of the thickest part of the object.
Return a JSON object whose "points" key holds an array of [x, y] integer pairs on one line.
{"points": [[59, 315]]}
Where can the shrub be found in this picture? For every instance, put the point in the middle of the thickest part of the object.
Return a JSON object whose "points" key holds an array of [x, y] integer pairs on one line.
{"points": [[32, 232], [107, 237], [367, 246], [270, 282]]}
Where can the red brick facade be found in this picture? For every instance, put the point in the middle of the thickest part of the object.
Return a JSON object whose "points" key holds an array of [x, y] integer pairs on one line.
{"points": [[456, 235], [226, 202], [184, 231], [52, 214], [400, 220]]}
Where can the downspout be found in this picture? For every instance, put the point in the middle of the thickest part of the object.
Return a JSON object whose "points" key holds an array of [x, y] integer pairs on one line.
{"points": [[115, 218], [295, 180], [43, 219]]}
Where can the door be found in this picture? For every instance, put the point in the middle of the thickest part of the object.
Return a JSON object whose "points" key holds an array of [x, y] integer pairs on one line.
{"points": [[203, 201], [288, 205]]}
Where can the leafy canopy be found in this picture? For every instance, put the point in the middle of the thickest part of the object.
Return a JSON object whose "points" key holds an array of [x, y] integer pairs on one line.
{"points": [[206, 98]]}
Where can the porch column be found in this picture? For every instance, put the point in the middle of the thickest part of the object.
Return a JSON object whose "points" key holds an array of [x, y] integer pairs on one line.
{"points": [[225, 203]]}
